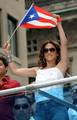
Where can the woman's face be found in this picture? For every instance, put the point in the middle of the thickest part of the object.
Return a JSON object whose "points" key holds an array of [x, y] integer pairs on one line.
{"points": [[50, 53]]}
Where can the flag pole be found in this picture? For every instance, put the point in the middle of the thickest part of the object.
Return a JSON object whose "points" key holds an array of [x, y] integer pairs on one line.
{"points": [[20, 22], [13, 33]]}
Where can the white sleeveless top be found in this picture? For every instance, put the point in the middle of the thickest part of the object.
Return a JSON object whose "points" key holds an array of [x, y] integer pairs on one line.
{"points": [[49, 74]]}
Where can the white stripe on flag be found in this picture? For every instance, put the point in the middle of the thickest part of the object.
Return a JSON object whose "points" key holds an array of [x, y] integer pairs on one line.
{"points": [[46, 17], [38, 23]]}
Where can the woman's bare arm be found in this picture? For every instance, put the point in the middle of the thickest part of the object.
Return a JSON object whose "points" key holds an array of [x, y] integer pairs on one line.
{"points": [[62, 65], [27, 72]]}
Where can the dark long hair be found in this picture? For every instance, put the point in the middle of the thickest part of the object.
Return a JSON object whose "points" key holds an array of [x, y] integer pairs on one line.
{"points": [[4, 60], [42, 61]]}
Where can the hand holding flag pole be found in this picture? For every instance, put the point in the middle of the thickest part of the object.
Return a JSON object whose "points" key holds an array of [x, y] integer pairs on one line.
{"points": [[13, 33]]}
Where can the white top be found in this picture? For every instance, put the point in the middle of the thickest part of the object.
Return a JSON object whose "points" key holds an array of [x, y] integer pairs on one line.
{"points": [[32, 118], [49, 74]]}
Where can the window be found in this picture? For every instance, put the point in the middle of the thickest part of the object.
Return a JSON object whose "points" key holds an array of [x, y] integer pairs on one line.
{"points": [[28, 3], [32, 45], [12, 23]]}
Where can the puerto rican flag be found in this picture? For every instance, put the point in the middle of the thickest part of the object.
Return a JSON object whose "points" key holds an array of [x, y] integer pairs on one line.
{"points": [[37, 17]]}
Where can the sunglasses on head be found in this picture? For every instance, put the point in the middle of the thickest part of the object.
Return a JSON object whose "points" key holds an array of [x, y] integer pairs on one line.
{"points": [[24, 106], [49, 49]]}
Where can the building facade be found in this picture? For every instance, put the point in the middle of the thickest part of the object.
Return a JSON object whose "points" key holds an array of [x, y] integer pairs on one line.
{"points": [[11, 12]]}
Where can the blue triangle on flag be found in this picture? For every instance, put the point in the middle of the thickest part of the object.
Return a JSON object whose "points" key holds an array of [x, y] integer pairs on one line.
{"points": [[31, 15]]}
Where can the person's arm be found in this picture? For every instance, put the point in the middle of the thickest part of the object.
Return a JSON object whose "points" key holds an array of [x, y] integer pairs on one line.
{"points": [[63, 64], [28, 72], [11, 84]]}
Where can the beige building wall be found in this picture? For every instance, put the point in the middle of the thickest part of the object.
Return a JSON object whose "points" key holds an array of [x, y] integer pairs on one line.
{"points": [[73, 55], [16, 9]]}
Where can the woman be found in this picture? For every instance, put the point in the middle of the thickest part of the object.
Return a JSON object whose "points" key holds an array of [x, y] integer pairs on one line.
{"points": [[52, 65]]}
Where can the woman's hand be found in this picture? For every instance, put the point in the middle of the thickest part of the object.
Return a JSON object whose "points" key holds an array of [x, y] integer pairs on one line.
{"points": [[55, 15], [6, 47], [59, 19]]}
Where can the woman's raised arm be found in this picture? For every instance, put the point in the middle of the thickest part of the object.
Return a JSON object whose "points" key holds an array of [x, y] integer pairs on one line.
{"points": [[63, 64]]}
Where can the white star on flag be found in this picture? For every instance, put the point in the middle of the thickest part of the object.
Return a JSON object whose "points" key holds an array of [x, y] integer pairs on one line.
{"points": [[31, 16]]}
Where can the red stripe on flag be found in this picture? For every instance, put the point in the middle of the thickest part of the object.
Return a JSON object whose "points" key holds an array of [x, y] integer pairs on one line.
{"points": [[38, 9], [47, 20], [27, 25]]}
